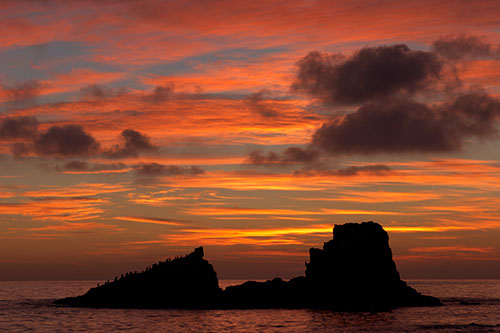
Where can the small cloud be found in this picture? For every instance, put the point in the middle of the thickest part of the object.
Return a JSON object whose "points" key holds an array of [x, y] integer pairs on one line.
{"points": [[161, 93], [371, 169], [256, 102], [100, 92], [292, 155], [464, 47], [23, 92], [155, 169], [77, 166], [133, 144], [21, 127]]}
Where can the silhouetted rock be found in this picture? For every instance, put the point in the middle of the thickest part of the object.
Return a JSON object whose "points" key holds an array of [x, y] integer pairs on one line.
{"points": [[185, 282], [353, 272]]}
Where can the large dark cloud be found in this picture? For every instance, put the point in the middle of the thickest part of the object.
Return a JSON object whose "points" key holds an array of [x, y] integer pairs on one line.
{"points": [[464, 47], [292, 155], [401, 125], [21, 127], [133, 144], [155, 169], [65, 141], [371, 73]]}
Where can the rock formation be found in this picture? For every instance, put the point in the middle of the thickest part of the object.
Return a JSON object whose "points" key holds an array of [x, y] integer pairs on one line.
{"points": [[185, 282], [353, 272]]}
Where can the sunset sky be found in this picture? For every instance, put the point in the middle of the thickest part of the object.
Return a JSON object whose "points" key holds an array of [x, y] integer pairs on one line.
{"points": [[133, 131]]}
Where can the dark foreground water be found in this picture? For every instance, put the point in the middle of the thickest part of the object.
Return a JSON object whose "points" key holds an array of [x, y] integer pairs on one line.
{"points": [[470, 305]]}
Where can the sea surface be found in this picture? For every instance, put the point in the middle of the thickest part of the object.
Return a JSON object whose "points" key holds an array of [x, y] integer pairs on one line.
{"points": [[469, 306]]}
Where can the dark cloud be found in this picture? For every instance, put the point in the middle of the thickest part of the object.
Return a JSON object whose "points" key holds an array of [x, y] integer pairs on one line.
{"points": [[95, 91], [133, 144], [65, 141], [372, 169], [19, 149], [22, 92], [161, 93], [22, 127], [464, 47], [99, 92], [256, 102], [83, 166], [292, 155], [74, 166], [402, 126], [155, 169], [371, 73]]}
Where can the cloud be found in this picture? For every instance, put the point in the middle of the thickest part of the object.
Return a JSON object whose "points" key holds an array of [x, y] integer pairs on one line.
{"points": [[22, 92], [161, 93], [291, 155], [372, 169], [83, 166], [75, 166], [255, 102], [68, 141], [21, 127], [65, 141], [155, 169], [19, 149], [133, 144], [371, 73], [402, 126], [464, 47], [99, 92]]}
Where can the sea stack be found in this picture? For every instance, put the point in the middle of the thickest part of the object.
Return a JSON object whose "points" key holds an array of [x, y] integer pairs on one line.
{"points": [[353, 272]]}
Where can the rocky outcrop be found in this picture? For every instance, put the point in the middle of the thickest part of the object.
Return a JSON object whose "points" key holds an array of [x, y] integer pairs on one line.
{"points": [[185, 282], [353, 272]]}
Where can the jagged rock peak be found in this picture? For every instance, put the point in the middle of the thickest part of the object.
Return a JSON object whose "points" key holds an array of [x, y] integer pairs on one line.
{"points": [[197, 253]]}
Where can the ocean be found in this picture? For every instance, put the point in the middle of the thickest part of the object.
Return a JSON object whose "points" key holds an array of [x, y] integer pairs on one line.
{"points": [[469, 306]]}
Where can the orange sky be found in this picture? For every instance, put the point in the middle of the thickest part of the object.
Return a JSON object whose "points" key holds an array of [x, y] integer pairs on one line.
{"points": [[134, 132]]}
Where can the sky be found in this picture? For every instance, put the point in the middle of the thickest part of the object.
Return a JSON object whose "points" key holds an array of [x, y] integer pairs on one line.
{"points": [[133, 131]]}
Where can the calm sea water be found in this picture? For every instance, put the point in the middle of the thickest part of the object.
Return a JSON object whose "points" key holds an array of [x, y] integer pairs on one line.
{"points": [[470, 305]]}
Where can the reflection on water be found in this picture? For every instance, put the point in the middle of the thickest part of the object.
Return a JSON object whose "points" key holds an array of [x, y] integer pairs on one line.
{"points": [[28, 306]]}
